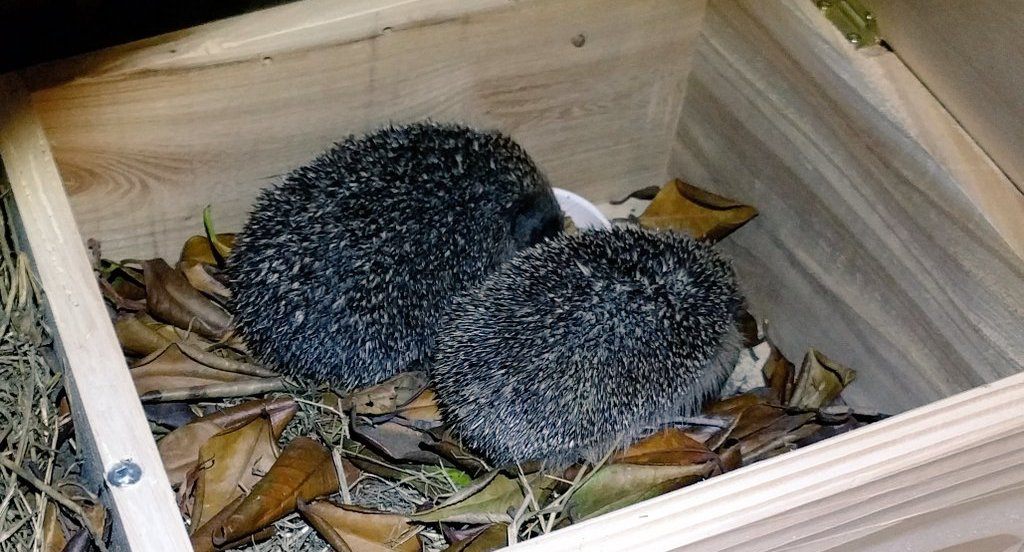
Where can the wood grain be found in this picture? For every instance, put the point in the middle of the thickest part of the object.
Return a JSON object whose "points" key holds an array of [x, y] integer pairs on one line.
{"points": [[144, 143], [968, 55], [943, 476], [108, 414], [875, 243]]}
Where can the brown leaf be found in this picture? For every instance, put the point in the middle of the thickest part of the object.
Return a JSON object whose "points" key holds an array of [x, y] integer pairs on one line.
{"points": [[230, 463], [701, 214], [361, 530], [53, 534], [249, 387], [396, 441], [820, 381], [493, 537], [422, 409], [387, 397], [179, 449], [755, 445], [202, 537], [137, 338], [172, 299], [305, 470], [779, 374], [199, 276], [197, 249], [668, 447], [486, 500], [615, 486], [449, 448], [172, 369]]}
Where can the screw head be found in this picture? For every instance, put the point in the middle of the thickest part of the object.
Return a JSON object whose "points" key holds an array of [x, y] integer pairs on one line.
{"points": [[868, 16], [579, 40], [124, 473], [854, 38]]}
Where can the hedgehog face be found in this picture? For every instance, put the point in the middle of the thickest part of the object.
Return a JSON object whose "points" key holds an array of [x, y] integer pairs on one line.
{"points": [[536, 217]]}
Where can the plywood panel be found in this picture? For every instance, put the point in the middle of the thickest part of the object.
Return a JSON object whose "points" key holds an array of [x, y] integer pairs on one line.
{"points": [[968, 55], [886, 237], [146, 138]]}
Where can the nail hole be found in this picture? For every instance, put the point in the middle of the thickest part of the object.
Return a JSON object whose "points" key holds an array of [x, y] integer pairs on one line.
{"points": [[579, 40]]}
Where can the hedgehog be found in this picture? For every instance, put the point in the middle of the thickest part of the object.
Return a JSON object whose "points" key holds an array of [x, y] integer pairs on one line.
{"points": [[583, 343], [344, 268]]}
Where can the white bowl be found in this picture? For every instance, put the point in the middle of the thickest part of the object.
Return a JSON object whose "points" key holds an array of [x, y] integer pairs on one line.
{"points": [[582, 212]]}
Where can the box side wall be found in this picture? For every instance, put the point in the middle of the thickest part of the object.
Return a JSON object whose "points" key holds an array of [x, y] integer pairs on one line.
{"points": [[874, 243], [591, 88], [968, 55], [108, 416]]}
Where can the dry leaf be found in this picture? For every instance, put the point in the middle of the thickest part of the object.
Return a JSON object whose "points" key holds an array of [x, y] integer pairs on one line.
{"points": [[492, 537], [396, 441], [702, 215], [305, 470], [137, 338], [668, 447], [231, 463], [172, 369], [486, 500], [779, 374], [820, 381], [199, 277], [179, 449], [615, 486], [197, 249], [449, 448], [386, 397], [248, 387], [202, 537], [53, 534], [361, 530], [423, 410], [172, 299]]}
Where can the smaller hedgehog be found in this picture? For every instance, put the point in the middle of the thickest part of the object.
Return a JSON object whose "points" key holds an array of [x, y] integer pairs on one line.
{"points": [[344, 269], [583, 342]]}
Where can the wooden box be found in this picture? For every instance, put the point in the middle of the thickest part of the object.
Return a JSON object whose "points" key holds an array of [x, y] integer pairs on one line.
{"points": [[887, 238]]}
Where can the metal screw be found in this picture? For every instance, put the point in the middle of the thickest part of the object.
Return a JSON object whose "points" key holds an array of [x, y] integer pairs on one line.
{"points": [[868, 16], [124, 473], [854, 38], [579, 40]]}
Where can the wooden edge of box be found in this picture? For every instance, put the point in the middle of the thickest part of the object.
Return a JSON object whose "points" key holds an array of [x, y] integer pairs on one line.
{"points": [[827, 494], [266, 32], [100, 389]]}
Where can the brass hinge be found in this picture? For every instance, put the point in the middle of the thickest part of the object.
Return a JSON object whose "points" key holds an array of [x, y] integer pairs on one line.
{"points": [[856, 22]]}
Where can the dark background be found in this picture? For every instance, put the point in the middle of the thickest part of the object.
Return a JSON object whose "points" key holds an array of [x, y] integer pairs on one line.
{"points": [[32, 31]]}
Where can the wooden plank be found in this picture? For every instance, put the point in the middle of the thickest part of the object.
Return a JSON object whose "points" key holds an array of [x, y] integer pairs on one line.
{"points": [[944, 475], [968, 55], [143, 145], [108, 414], [877, 242]]}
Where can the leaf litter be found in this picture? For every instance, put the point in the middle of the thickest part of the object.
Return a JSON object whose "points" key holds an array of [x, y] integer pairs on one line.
{"points": [[262, 462]]}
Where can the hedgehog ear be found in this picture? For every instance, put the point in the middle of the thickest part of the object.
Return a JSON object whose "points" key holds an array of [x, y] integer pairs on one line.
{"points": [[535, 218]]}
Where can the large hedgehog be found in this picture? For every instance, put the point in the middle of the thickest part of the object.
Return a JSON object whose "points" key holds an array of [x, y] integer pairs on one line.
{"points": [[585, 341], [344, 269]]}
